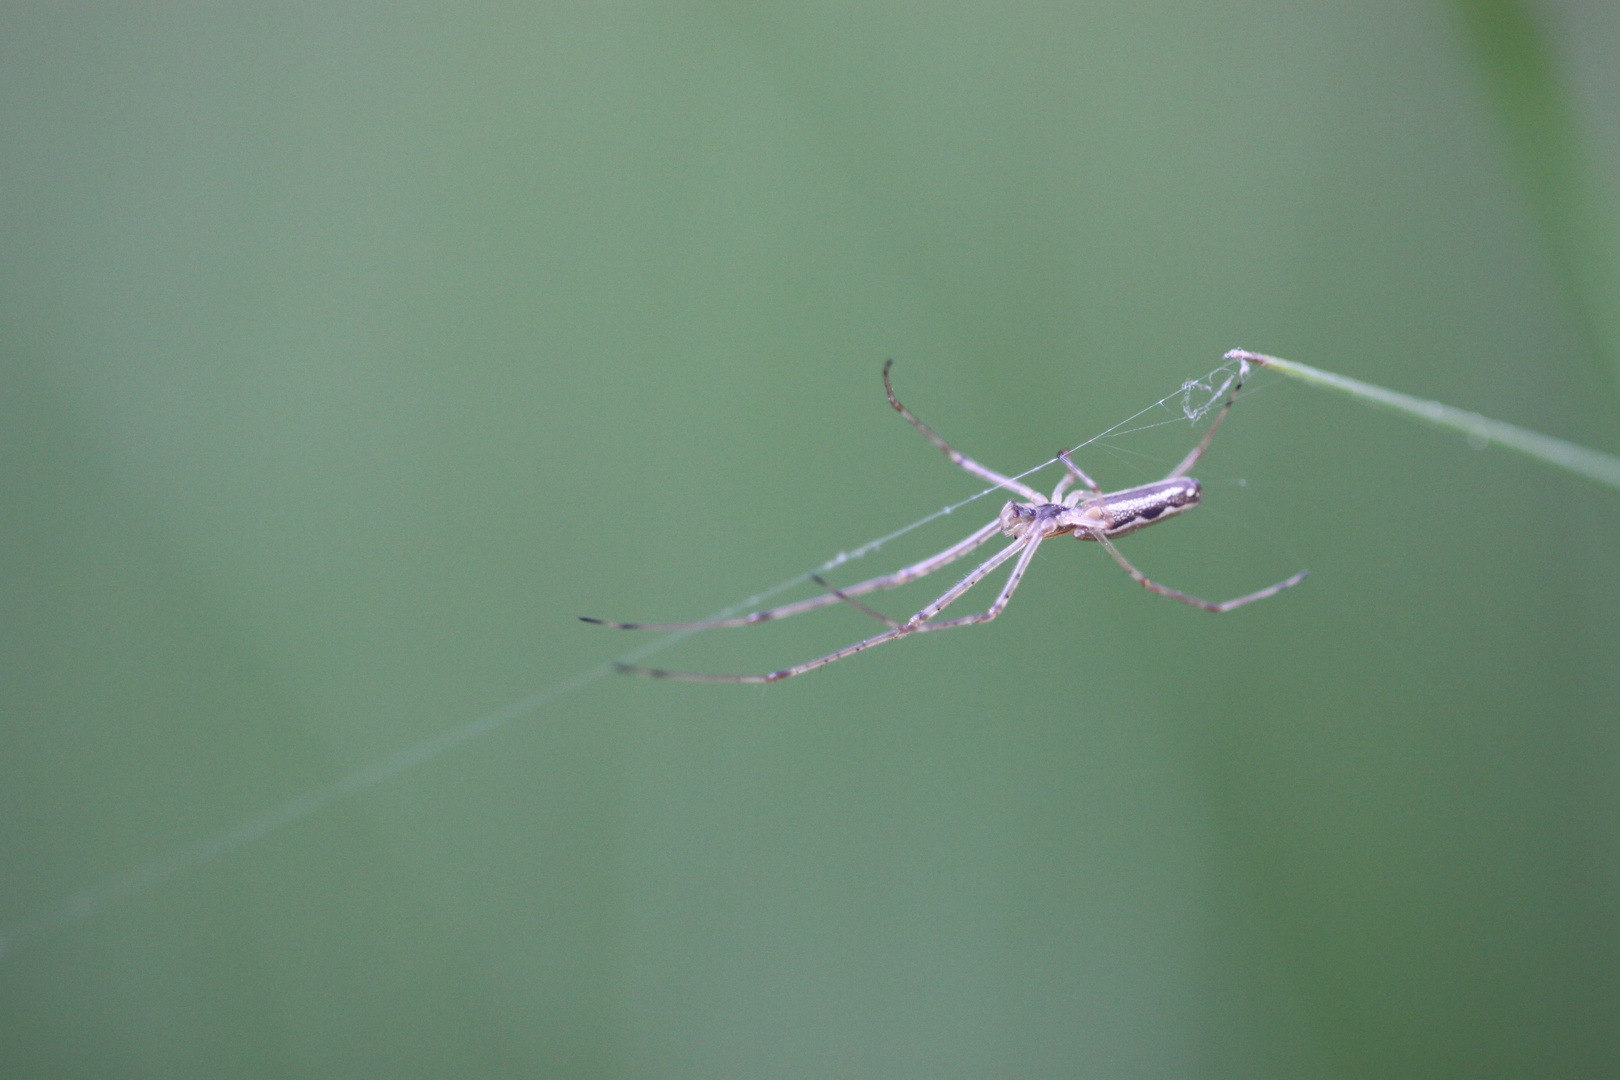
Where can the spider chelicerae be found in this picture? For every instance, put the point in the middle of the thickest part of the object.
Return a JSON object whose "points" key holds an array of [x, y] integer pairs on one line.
{"points": [[1087, 513]]}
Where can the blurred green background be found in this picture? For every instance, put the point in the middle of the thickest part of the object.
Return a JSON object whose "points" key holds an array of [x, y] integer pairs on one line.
{"points": [[350, 351]]}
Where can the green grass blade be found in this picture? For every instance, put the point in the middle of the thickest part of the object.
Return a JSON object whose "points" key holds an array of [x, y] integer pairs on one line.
{"points": [[1480, 430]]}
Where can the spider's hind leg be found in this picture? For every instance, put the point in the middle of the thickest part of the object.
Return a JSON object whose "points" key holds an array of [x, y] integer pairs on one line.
{"points": [[1176, 594], [1209, 436]]}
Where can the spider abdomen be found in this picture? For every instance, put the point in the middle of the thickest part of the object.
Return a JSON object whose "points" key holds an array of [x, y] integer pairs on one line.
{"points": [[1122, 512]]}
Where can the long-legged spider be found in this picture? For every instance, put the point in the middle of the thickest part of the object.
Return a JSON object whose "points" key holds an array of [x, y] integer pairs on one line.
{"points": [[1095, 516]]}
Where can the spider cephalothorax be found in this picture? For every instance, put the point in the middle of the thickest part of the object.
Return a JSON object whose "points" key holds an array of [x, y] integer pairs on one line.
{"points": [[1018, 519]]}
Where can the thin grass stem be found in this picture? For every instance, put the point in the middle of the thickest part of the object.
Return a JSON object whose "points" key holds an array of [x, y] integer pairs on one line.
{"points": [[1480, 431]]}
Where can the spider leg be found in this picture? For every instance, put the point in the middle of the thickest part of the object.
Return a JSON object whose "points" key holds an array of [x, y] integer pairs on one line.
{"points": [[1075, 473], [1175, 594], [956, 455], [1203, 444], [902, 630], [1001, 601], [1028, 543], [886, 581], [854, 603]]}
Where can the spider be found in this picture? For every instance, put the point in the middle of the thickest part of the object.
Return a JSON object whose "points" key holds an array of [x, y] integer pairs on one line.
{"points": [[1088, 513]]}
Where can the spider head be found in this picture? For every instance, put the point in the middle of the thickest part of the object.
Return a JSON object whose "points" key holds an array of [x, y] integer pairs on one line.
{"points": [[1016, 517]]}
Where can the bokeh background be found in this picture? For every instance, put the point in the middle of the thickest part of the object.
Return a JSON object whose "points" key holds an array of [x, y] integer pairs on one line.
{"points": [[351, 350]]}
